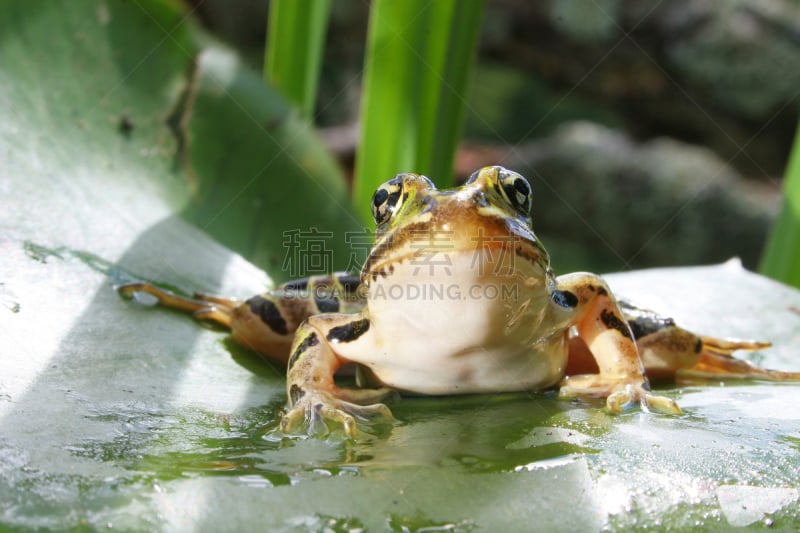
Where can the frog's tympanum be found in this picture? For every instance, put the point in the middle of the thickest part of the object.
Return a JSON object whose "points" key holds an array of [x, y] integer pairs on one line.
{"points": [[457, 297]]}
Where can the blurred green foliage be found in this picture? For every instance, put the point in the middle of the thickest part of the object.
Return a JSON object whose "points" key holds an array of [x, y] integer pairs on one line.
{"points": [[418, 60], [296, 36], [782, 255], [419, 57]]}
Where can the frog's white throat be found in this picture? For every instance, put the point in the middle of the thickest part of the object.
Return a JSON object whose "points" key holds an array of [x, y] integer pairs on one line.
{"points": [[452, 314]]}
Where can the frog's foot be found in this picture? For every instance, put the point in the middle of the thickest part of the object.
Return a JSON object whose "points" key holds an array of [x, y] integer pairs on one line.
{"points": [[716, 361], [366, 396], [728, 346], [201, 307], [219, 300], [316, 407], [620, 393]]}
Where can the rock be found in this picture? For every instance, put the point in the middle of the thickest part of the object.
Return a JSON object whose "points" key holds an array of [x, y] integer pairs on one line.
{"points": [[624, 204], [721, 74]]}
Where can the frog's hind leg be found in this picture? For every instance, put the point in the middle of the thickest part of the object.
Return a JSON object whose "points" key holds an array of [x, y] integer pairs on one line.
{"points": [[202, 307], [671, 352], [266, 323], [717, 361], [259, 323]]}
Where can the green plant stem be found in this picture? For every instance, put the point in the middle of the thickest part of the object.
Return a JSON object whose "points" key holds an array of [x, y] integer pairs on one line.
{"points": [[782, 255], [295, 39], [419, 57]]}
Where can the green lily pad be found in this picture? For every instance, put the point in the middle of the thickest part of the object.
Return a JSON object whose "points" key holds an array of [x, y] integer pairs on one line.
{"points": [[152, 424], [118, 415]]}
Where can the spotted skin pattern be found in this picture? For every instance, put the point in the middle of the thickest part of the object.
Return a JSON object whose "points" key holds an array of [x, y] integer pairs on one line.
{"points": [[544, 330]]}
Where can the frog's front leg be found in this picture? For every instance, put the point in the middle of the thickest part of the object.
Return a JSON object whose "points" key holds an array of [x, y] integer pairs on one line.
{"points": [[601, 325], [313, 396]]}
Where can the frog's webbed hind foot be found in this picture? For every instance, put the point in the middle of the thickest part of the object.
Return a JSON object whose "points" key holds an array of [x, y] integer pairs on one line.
{"points": [[257, 323], [669, 351], [717, 361], [202, 307], [219, 315], [229, 303], [726, 347]]}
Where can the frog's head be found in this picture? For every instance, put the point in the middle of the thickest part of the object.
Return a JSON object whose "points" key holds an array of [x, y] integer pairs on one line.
{"points": [[492, 209]]}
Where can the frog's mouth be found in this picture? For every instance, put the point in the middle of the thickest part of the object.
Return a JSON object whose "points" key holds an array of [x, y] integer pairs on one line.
{"points": [[441, 252], [456, 224]]}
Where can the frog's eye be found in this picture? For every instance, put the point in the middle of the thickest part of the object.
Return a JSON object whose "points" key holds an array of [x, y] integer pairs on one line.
{"points": [[386, 199], [516, 190], [390, 196]]}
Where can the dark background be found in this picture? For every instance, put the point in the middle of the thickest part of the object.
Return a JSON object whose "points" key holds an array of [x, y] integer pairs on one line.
{"points": [[654, 133]]}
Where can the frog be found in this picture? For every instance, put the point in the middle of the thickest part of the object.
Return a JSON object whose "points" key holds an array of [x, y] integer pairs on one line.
{"points": [[457, 296]]}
